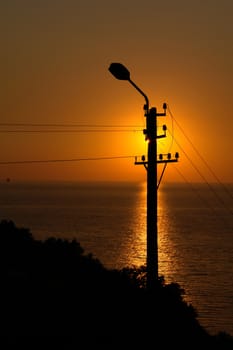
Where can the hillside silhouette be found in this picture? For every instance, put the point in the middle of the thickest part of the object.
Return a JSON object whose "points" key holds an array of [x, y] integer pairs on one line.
{"points": [[53, 294]]}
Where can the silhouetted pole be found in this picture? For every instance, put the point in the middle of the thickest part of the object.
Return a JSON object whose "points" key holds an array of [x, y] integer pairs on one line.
{"points": [[122, 73], [152, 207], [152, 195]]}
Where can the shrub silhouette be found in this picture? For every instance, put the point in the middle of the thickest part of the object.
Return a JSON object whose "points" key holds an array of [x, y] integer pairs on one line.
{"points": [[54, 292]]}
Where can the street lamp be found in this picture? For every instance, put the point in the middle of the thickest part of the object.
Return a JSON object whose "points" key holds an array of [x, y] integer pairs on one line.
{"points": [[121, 72]]}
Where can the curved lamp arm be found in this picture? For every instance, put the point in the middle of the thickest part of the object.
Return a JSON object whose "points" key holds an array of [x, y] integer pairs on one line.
{"points": [[119, 71]]}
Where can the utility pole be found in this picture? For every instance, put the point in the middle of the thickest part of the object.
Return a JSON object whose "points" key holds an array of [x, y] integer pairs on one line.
{"points": [[152, 190], [150, 164]]}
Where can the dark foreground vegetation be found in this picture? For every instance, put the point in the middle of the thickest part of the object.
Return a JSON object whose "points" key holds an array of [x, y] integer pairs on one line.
{"points": [[54, 296]]}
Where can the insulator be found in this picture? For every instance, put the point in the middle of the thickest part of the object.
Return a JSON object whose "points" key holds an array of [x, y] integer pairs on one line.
{"points": [[164, 127], [177, 155], [143, 158], [169, 156], [164, 106], [160, 156]]}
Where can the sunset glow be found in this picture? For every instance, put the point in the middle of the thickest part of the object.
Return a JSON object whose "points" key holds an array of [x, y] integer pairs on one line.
{"points": [[54, 70]]}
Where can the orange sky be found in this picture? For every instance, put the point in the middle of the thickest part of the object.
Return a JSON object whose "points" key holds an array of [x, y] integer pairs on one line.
{"points": [[54, 70]]}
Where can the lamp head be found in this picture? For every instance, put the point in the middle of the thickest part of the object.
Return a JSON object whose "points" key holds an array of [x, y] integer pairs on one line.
{"points": [[119, 71]]}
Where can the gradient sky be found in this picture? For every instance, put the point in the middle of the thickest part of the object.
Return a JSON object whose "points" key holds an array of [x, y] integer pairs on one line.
{"points": [[55, 56]]}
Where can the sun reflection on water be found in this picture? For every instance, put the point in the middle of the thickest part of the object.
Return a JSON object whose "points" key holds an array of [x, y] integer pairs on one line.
{"points": [[167, 250], [134, 249], [133, 252]]}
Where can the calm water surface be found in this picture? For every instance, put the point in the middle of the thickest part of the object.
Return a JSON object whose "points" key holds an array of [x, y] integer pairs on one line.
{"points": [[195, 239]]}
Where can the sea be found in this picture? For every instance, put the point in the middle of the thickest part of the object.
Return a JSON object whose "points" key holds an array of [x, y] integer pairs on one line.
{"points": [[108, 219]]}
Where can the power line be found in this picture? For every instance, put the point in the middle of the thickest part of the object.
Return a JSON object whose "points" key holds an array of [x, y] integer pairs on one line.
{"points": [[200, 156], [203, 178], [72, 128], [62, 160], [199, 172], [76, 125], [63, 131]]}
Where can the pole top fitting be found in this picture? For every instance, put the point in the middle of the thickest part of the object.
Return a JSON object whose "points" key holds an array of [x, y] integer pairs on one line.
{"points": [[153, 112]]}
